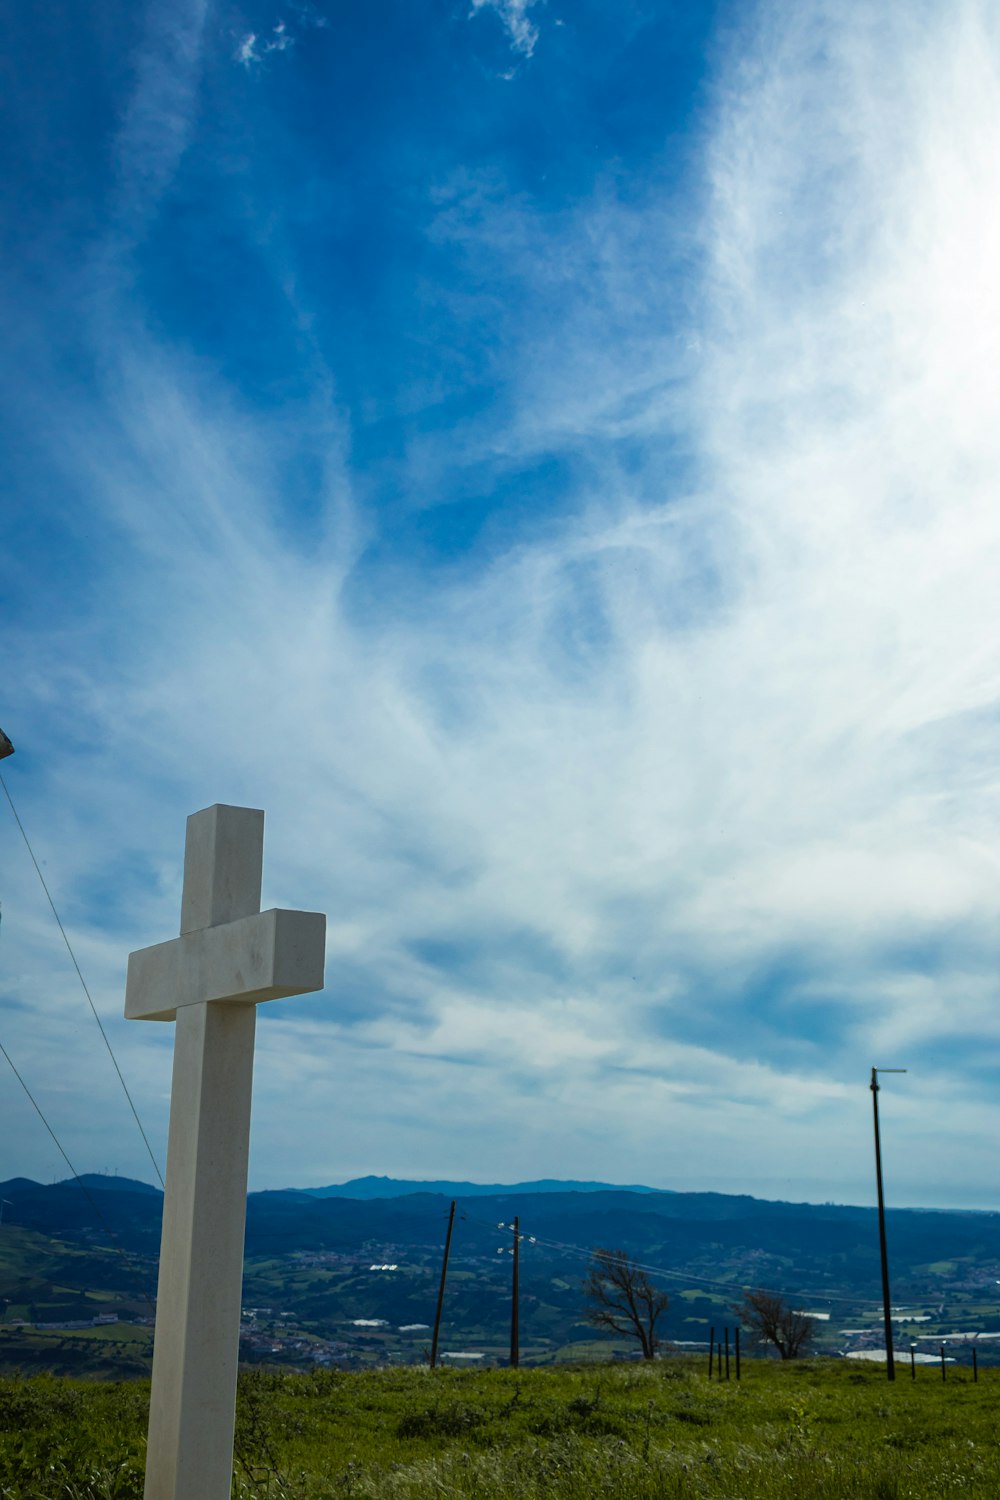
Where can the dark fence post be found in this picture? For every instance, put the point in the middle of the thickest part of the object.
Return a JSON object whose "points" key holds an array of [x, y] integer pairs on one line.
{"points": [[913, 1362], [944, 1373], [711, 1350], [727, 1353], [975, 1364]]}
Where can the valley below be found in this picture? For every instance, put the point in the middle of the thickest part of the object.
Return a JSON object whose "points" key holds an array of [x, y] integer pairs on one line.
{"points": [[351, 1282]]}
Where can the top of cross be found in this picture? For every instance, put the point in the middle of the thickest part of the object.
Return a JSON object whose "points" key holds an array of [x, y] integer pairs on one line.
{"points": [[223, 866], [228, 949]]}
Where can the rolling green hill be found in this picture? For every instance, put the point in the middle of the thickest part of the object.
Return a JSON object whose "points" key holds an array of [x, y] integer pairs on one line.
{"points": [[350, 1282]]}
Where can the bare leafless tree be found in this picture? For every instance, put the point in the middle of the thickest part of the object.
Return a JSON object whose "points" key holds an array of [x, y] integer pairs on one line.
{"points": [[623, 1299], [771, 1320]]}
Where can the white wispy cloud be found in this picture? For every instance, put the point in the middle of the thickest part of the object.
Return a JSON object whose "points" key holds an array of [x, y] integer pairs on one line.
{"points": [[160, 116], [254, 49], [606, 828], [521, 30]]}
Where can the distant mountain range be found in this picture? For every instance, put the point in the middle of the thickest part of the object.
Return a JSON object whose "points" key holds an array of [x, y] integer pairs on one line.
{"points": [[401, 1187], [355, 1264], [684, 1226], [363, 1188], [709, 1243]]}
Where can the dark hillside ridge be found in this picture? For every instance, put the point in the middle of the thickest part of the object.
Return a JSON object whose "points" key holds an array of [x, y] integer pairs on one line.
{"points": [[111, 1184], [704, 1230], [399, 1187]]}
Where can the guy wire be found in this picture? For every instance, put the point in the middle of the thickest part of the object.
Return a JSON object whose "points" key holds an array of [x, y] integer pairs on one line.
{"points": [[86, 991], [113, 1238]]}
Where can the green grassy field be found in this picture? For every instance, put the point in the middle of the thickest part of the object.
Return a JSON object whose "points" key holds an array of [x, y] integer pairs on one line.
{"points": [[821, 1428]]}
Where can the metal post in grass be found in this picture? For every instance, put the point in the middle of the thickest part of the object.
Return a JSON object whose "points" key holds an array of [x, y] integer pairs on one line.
{"points": [[711, 1350], [727, 1353], [718, 1352], [444, 1274], [913, 1361], [975, 1364], [890, 1368], [944, 1371], [515, 1331], [737, 1353]]}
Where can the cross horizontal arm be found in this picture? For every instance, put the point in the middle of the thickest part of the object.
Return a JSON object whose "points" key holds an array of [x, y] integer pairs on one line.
{"points": [[265, 956]]}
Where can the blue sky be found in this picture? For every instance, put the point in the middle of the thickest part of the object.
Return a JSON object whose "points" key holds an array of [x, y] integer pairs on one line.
{"points": [[545, 454]]}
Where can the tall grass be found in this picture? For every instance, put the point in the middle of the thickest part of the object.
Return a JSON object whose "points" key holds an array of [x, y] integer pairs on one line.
{"points": [[827, 1429]]}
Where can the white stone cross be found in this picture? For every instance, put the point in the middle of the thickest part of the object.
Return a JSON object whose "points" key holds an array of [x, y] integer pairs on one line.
{"points": [[229, 956]]}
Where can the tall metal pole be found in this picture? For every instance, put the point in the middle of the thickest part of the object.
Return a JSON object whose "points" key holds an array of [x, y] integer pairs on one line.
{"points": [[890, 1368], [515, 1332], [444, 1273]]}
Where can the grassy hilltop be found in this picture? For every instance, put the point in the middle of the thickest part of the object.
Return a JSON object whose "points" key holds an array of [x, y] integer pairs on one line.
{"points": [[828, 1429]]}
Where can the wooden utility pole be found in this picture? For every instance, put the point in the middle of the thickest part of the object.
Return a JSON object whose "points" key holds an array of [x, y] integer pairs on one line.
{"points": [[515, 1332], [890, 1367], [444, 1273]]}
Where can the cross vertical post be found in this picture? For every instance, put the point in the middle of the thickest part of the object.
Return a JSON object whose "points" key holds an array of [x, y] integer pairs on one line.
{"points": [[228, 958]]}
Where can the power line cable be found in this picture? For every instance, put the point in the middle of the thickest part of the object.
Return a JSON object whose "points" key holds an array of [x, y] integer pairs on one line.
{"points": [[579, 1252], [38, 1110], [86, 991], [113, 1238], [714, 1282]]}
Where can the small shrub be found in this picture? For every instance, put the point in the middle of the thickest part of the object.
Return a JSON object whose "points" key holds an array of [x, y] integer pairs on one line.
{"points": [[886, 1487], [693, 1416], [441, 1421], [583, 1406]]}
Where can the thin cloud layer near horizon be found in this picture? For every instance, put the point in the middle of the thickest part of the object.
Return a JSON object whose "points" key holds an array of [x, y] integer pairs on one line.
{"points": [[546, 455]]}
